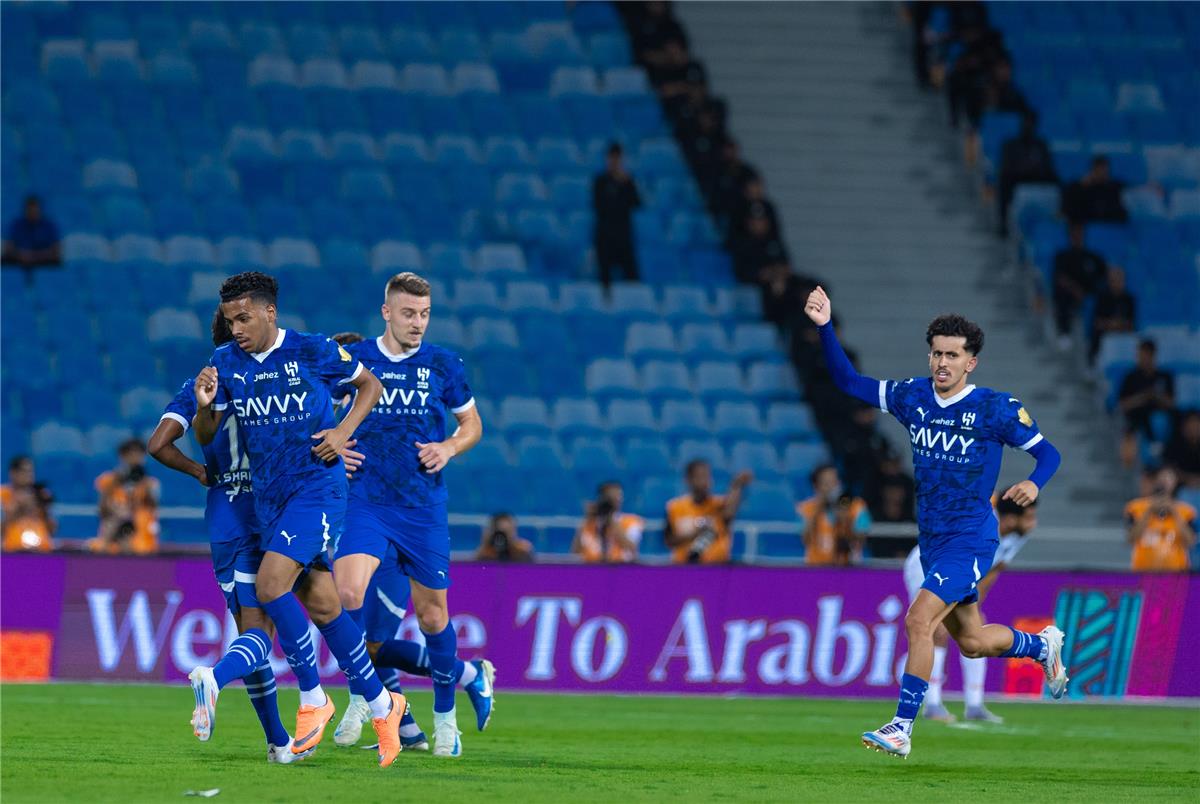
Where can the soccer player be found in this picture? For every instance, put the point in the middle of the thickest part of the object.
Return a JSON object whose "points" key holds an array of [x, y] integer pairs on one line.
{"points": [[278, 382], [397, 509], [233, 535], [1014, 525], [957, 433]]}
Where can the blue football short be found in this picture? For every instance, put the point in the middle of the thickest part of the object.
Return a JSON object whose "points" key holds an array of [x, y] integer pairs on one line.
{"points": [[954, 565], [309, 524], [235, 546], [419, 537], [386, 600]]}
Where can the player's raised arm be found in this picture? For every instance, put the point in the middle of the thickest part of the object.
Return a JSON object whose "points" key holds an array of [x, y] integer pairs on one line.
{"points": [[162, 447], [820, 312], [207, 418]]}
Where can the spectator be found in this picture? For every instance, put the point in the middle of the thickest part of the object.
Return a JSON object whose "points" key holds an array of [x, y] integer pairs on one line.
{"points": [[833, 524], [862, 448], [759, 249], [698, 523], [32, 238], [26, 508], [1146, 393], [726, 186], [1077, 273], [652, 25], [607, 534], [891, 498], [1025, 159], [1115, 309], [1161, 528], [500, 541], [128, 504], [783, 295], [1182, 452], [614, 198], [754, 204], [1096, 198], [680, 81]]}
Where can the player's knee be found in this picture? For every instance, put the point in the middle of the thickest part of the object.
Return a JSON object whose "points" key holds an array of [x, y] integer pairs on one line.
{"points": [[971, 645], [267, 589], [431, 615], [351, 597], [917, 628]]}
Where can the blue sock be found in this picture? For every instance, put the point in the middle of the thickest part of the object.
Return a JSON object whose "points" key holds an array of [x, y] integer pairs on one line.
{"points": [[245, 653], [292, 625], [912, 693], [411, 657], [443, 649], [260, 686], [390, 677], [345, 641], [1026, 646], [357, 616]]}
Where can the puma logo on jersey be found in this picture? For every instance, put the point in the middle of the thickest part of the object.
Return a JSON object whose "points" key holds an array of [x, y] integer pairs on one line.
{"points": [[921, 410], [285, 535], [241, 377], [940, 579]]}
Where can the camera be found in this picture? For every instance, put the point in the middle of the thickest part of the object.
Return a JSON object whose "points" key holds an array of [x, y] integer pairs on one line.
{"points": [[135, 474], [603, 507], [705, 536], [499, 542]]}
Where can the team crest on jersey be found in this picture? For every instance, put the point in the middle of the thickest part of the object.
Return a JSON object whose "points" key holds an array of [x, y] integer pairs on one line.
{"points": [[423, 378], [292, 369], [1024, 417], [344, 355], [968, 420]]}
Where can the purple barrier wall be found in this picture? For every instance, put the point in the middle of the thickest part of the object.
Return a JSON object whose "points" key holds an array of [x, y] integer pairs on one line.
{"points": [[751, 630]]}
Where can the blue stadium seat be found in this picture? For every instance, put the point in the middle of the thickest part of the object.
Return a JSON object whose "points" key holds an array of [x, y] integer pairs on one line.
{"points": [[708, 450], [500, 259], [684, 419], [755, 342], [631, 418], [595, 461], [769, 500], [539, 453], [719, 381], [291, 252], [759, 457], [663, 380], [575, 418], [738, 421], [521, 416], [772, 382], [476, 297], [800, 459], [607, 378], [391, 256], [490, 335], [646, 341], [686, 303], [699, 341], [791, 421]]}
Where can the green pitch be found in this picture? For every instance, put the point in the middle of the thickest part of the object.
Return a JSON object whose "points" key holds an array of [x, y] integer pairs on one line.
{"points": [[74, 742]]}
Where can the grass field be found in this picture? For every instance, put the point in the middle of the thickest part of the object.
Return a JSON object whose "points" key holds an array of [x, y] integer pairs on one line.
{"points": [[74, 742]]}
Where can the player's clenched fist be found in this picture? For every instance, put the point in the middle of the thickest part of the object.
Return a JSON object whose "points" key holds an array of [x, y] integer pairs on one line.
{"points": [[206, 386], [818, 307], [1022, 493]]}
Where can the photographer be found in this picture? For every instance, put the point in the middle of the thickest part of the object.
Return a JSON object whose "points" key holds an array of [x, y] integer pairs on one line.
{"points": [[698, 523], [128, 504], [26, 506], [607, 534], [1162, 529], [834, 524], [500, 541]]}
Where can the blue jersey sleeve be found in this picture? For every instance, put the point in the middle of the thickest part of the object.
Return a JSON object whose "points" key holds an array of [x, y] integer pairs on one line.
{"points": [[900, 398], [183, 407], [456, 392], [334, 364], [1012, 423]]}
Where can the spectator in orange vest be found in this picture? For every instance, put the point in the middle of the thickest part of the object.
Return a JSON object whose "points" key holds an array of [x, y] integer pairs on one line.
{"points": [[128, 504], [834, 524], [607, 534], [26, 506], [1162, 529], [698, 523]]}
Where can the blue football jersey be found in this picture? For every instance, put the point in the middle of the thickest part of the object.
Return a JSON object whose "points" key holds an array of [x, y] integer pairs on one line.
{"points": [[957, 446], [280, 398], [422, 391], [229, 508]]}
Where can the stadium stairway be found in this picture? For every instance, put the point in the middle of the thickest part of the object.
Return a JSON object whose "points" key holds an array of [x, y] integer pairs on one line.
{"points": [[871, 193]]}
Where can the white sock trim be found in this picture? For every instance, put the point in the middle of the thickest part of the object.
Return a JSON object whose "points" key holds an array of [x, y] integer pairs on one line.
{"points": [[381, 705], [468, 675], [314, 697]]}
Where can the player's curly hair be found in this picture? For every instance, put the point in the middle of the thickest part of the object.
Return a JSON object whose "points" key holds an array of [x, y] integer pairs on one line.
{"points": [[221, 333], [348, 338], [258, 286], [955, 326]]}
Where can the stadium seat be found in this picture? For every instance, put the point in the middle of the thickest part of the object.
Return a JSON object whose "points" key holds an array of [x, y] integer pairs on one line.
{"points": [[522, 416], [650, 341], [575, 418], [702, 449], [631, 418], [758, 457], [607, 378], [767, 500], [772, 382], [737, 421]]}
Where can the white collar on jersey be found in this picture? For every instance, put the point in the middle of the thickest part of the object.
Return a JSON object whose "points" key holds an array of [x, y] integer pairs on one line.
{"points": [[395, 358], [261, 356], [961, 395]]}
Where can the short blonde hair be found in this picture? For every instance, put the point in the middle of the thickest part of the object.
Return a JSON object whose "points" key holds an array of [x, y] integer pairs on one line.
{"points": [[409, 283]]}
